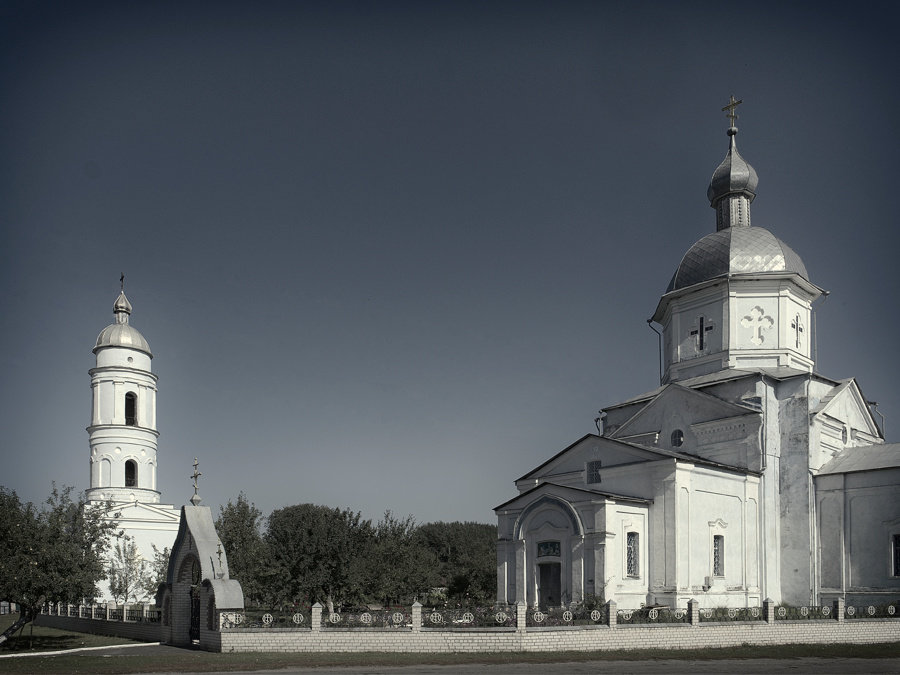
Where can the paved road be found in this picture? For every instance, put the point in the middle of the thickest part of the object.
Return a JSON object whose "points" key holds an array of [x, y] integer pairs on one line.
{"points": [[668, 666], [817, 666]]}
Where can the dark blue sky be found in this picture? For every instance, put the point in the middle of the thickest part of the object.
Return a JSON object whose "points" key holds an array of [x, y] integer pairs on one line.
{"points": [[395, 255]]}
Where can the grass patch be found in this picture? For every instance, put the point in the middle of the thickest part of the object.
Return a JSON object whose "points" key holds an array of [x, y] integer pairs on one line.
{"points": [[44, 639], [175, 660]]}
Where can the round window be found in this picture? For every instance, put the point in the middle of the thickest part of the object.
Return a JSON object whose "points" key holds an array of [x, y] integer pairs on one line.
{"points": [[677, 438]]}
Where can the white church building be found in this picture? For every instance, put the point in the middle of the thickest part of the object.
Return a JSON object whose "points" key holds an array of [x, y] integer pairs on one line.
{"points": [[123, 437], [746, 475]]}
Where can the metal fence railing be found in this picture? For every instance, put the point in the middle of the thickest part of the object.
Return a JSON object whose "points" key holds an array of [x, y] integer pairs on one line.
{"points": [[652, 615], [558, 616], [394, 617], [501, 616]]}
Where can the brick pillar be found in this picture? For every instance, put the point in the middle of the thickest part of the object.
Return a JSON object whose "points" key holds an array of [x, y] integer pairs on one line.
{"points": [[106, 610], [694, 612], [316, 620], [769, 610], [611, 616], [521, 615], [839, 608], [416, 616]]}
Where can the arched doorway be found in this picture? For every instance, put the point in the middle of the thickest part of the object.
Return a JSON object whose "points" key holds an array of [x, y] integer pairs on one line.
{"points": [[195, 600]]}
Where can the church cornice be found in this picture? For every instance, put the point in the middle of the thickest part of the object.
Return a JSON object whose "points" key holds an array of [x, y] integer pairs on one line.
{"points": [[807, 287], [120, 369], [119, 427]]}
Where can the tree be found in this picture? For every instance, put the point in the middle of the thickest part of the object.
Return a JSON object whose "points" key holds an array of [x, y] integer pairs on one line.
{"points": [[399, 567], [317, 553], [157, 571], [467, 558], [128, 571], [239, 527], [54, 553]]}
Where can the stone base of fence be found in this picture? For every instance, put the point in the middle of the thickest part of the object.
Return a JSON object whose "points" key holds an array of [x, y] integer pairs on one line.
{"points": [[518, 638], [141, 631], [588, 638]]}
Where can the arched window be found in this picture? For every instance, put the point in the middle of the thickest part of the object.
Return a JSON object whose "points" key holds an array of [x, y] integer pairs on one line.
{"points": [[131, 409], [131, 473]]}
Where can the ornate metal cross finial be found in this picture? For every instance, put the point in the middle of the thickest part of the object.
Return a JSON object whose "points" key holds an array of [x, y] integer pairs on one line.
{"points": [[732, 104], [196, 498]]}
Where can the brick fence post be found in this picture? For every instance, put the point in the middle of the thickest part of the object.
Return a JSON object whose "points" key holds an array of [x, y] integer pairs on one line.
{"points": [[521, 615], [769, 610], [694, 612], [839, 608], [416, 616], [106, 607], [316, 621], [611, 616]]}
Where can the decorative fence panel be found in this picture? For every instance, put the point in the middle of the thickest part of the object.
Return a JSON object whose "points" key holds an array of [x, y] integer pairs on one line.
{"points": [[651, 615], [469, 617], [396, 617], [871, 612], [577, 616], [788, 613], [732, 614]]}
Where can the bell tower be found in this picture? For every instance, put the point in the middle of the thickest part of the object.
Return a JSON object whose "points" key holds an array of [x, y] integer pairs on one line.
{"points": [[122, 433]]}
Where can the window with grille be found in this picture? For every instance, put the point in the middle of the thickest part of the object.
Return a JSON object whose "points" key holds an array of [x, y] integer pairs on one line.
{"points": [[593, 471], [718, 555], [632, 554]]}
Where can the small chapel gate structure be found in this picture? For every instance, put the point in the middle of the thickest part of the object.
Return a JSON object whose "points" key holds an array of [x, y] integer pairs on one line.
{"points": [[197, 585]]}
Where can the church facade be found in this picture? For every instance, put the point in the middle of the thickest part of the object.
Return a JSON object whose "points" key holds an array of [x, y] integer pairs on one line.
{"points": [[745, 475], [123, 438]]}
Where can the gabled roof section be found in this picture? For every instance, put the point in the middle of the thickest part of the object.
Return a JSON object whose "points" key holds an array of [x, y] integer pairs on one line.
{"points": [[568, 493], [140, 511], [864, 458], [718, 408], [637, 451], [848, 393], [727, 375]]}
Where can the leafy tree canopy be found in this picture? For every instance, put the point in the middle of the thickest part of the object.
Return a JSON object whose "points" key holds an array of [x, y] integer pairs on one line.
{"points": [[51, 553]]}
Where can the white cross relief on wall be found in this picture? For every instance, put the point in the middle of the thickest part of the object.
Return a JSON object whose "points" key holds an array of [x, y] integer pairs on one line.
{"points": [[758, 321]]}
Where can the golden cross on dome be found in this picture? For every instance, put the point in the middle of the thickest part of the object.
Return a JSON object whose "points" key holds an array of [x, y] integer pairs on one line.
{"points": [[732, 104]]}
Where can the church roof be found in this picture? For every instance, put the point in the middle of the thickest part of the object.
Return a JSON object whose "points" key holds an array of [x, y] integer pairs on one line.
{"points": [[728, 374], [733, 251], [647, 450], [121, 333], [575, 490], [864, 458]]}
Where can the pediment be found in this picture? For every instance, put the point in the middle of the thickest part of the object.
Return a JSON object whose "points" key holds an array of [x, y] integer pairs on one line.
{"points": [[677, 408], [564, 495], [571, 461], [141, 512], [845, 406]]}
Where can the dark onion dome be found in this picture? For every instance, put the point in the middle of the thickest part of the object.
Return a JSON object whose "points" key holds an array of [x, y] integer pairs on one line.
{"points": [[736, 247], [121, 333], [736, 250], [734, 176]]}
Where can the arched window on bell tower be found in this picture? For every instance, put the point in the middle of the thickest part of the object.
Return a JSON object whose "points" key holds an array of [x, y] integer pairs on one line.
{"points": [[131, 473], [131, 409]]}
